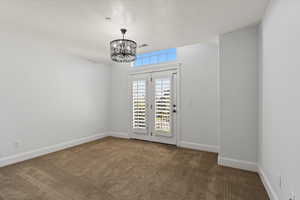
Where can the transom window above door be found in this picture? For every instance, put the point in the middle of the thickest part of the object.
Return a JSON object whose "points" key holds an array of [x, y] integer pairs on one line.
{"points": [[155, 57]]}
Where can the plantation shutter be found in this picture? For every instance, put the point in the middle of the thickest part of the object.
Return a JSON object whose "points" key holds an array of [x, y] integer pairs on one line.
{"points": [[139, 105], [163, 106]]}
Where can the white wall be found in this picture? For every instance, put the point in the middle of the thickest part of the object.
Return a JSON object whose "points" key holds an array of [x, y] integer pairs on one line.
{"points": [[47, 96], [119, 118], [239, 96], [199, 96], [280, 138]]}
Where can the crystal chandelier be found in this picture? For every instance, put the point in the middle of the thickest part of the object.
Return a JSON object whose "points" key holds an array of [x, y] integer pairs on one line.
{"points": [[123, 50]]}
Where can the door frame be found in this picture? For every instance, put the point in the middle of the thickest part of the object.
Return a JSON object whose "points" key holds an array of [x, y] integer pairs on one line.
{"points": [[152, 69]]}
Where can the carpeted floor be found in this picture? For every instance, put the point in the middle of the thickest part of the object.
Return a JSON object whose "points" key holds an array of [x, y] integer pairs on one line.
{"points": [[120, 169]]}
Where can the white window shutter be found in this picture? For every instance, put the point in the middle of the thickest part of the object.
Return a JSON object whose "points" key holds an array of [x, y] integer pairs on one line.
{"points": [[163, 105], [139, 105]]}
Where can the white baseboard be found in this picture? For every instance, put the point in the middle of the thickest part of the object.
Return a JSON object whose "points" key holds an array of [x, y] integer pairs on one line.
{"points": [[250, 166], [46, 150], [270, 190], [201, 147], [119, 135], [239, 164], [184, 144]]}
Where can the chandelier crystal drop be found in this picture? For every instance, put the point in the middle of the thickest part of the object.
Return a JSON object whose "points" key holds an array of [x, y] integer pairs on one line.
{"points": [[123, 50]]}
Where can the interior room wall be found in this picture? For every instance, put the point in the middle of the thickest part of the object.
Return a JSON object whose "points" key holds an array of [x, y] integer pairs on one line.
{"points": [[48, 97], [199, 97], [119, 118], [239, 98], [279, 158]]}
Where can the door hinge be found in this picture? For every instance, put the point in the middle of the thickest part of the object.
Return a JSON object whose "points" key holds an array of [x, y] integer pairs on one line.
{"points": [[151, 79]]}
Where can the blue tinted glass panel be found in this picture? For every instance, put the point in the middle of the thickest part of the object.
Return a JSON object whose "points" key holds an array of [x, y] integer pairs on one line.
{"points": [[162, 58], [146, 60], [155, 57], [172, 56], [138, 61]]}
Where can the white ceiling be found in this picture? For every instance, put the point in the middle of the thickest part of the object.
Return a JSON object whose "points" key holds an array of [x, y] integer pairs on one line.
{"points": [[80, 24]]}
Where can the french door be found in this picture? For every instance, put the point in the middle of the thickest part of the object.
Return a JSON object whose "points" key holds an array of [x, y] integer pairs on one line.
{"points": [[154, 106]]}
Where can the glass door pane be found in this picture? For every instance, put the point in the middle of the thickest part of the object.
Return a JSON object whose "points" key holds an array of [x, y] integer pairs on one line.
{"points": [[139, 95], [162, 93], [139, 104], [163, 106]]}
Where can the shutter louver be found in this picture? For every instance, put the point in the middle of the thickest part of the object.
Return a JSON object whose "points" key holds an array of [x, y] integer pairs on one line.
{"points": [[162, 105], [139, 104]]}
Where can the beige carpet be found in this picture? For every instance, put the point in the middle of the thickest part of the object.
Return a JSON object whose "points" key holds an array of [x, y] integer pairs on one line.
{"points": [[120, 169]]}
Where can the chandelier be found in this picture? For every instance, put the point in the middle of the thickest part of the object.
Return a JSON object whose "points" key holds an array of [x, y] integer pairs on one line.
{"points": [[123, 50]]}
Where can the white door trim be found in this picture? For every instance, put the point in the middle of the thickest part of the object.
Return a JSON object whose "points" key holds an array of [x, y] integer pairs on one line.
{"points": [[159, 68]]}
